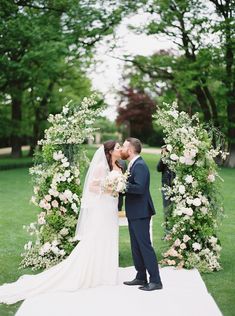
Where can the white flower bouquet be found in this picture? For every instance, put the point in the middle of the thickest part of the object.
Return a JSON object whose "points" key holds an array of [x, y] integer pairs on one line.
{"points": [[115, 183]]}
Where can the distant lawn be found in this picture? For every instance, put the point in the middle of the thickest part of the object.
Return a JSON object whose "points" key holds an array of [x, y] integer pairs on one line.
{"points": [[15, 211], [7, 162]]}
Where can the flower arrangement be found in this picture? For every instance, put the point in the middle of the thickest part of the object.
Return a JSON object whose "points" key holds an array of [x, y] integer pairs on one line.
{"points": [[195, 201], [115, 182], [57, 184]]}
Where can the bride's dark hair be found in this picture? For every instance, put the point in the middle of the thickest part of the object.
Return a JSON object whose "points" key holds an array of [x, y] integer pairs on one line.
{"points": [[108, 147]]}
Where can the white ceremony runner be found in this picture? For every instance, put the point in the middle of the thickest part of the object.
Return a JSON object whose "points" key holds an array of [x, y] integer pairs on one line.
{"points": [[184, 294]]}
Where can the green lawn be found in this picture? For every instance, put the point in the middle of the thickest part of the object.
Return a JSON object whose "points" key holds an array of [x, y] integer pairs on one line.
{"points": [[15, 211]]}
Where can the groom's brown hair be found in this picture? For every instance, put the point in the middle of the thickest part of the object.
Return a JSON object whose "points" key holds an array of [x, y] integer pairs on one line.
{"points": [[136, 143]]}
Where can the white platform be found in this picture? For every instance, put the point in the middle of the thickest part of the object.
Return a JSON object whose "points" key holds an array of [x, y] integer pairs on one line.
{"points": [[184, 294]]}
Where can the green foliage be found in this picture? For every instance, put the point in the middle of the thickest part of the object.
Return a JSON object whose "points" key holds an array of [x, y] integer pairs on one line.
{"points": [[201, 73], [45, 50]]}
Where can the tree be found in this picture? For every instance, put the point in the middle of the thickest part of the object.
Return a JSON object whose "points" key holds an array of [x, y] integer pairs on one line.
{"points": [[40, 41], [226, 27], [135, 112], [201, 75]]}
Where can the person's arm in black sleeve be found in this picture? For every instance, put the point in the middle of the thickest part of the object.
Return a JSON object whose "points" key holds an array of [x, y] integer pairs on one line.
{"points": [[140, 179], [160, 166]]}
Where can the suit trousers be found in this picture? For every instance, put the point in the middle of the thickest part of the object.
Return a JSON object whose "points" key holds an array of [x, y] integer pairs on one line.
{"points": [[143, 254]]}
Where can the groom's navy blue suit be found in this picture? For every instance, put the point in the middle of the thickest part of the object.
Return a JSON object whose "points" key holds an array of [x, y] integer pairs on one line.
{"points": [[139, 209]]}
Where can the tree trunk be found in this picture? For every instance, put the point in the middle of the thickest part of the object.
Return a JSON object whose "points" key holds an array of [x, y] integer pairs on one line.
{"points": [[230, 86], [203, 103], [213, 106], [41, 115], [16, 116]]}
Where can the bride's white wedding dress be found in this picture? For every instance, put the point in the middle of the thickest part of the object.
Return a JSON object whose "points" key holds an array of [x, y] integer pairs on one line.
{"points": [[94, 261]]}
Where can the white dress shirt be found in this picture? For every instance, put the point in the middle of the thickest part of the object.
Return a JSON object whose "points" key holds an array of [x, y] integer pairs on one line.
{"points": [[132, 161]]}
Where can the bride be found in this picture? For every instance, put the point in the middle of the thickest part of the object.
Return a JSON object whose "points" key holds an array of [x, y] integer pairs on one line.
{"points": [[94, 261]]}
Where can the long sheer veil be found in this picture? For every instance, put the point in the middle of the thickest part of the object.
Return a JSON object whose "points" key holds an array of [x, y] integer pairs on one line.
{"points": [[96, 173]]}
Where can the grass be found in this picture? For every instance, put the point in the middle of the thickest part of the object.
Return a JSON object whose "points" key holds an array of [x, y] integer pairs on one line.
{"points": [[7, 162], [15, 211]]}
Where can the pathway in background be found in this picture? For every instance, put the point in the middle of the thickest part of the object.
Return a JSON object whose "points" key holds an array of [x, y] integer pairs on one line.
{"points": [[7, 150]]}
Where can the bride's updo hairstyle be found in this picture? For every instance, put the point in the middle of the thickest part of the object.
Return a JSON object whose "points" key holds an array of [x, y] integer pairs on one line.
{"points": [[108, 148]]}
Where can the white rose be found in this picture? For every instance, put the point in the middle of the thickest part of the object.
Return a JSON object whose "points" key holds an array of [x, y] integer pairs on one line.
{"points": [[65, 159], [46, 247], [181, 189], [177, 242], [204, 200], [33, 200], [65, 110], [211, 177], [182, 159], [169, 147], [217, 248], [120, 187], [75, 197], [78, 181], [55, 242], [35, 190], [197, 202], [196, 246], [188, 179], [67, 173], [174, 157], [55, 250], [204, 210], [184, 130], [182, 246], [188, 161], [63, 209], [174, 113], [64, 231], [42, 203], [68, 194], [41, 252], [188, 211], [48, 197], [62, 252], [54, 203], [186, 238], [178, 212], [47, 206], [213, 240], [55, 156], [62, 197], [58, 155], [66, 164], [41, 221]]}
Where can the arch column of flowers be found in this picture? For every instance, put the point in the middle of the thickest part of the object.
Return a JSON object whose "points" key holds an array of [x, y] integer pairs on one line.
{"points": [[196, 206], [56, 176]]}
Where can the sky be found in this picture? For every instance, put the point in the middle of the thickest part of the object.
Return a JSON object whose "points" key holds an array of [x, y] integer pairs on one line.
{"points": [[106, 74]]}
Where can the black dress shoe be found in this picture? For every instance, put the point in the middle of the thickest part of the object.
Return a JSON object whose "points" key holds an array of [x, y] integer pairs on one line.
{"points": [[151, 287], [135, 282]]}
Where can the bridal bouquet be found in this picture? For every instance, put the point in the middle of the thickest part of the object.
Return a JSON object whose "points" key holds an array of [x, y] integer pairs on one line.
{"points": [[115, 182]]}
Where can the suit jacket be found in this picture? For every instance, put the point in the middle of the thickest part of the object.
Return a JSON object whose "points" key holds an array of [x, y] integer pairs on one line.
{"points": [[167, 174], [138, 202]]}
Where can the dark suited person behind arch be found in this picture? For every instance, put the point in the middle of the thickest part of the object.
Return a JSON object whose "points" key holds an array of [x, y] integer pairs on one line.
{"points": [[139, 210], [123, 164]]}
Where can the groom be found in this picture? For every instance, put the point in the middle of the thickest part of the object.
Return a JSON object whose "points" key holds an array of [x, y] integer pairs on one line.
{"points": [[139, 209]]}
